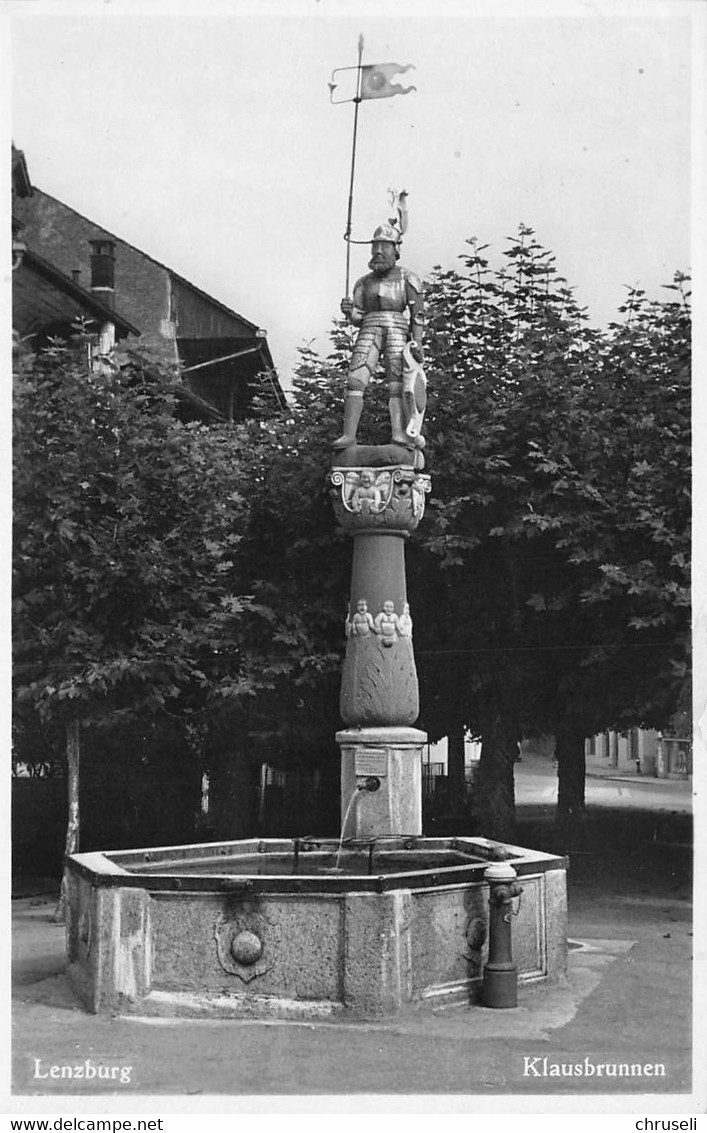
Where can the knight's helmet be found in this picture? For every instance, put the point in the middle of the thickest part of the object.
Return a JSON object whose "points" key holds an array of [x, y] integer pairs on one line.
{"points": [[393, 231], [389, 233]]}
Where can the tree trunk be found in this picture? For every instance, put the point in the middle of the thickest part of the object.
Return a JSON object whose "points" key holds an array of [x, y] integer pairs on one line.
{"points": [[71, 844], [232, 812], [569, 749], [456, 778], [494, 789]]}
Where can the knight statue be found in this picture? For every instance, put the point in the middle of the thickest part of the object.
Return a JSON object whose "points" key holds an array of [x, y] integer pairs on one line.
{"points": [[388, 307]]}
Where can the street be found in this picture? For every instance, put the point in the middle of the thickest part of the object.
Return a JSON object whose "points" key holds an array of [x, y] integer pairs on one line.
{"points": [[536, 784]]}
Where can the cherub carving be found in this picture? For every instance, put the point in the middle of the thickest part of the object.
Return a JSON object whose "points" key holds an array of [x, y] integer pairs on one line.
{"points": [[367, 498], [405, 622], [361, 624], [386, 624]]}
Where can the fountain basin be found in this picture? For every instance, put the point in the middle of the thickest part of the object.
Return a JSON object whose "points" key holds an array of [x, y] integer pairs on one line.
{"points": [[274, 928]]}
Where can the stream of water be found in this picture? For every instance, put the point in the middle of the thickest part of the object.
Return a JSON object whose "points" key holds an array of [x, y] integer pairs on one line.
{"points": [[347, 813]]}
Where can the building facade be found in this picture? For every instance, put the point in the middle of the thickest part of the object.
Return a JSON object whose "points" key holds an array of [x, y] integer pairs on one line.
{"points": [[643, 751], [224, 357], [46, 302]]}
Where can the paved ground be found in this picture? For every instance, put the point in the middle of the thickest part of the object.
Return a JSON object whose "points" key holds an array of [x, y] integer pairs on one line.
{"points": [[628, 999]]}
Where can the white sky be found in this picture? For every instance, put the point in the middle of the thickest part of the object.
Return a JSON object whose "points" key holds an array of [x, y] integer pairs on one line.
{"points": [[205, 136]]}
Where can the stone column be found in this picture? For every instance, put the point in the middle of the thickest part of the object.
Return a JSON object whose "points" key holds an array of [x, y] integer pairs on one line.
{"points": [[379, 506]]}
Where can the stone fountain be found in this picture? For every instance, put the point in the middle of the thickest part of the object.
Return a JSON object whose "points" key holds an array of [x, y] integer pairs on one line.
{"points": [[384, 919]]}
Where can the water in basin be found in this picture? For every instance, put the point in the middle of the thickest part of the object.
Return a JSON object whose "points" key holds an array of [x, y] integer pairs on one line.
{"points": [[311, 863]]}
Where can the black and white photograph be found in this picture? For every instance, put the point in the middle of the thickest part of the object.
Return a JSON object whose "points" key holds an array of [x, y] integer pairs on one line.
{"points": [[351, 560]]}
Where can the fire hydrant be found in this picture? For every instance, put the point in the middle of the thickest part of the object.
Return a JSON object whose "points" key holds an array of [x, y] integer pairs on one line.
{"points": [[500, 987]]}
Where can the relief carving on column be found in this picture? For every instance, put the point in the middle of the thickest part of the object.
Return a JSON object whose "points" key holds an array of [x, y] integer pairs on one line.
{"points": [[379, 681], [378, 498]]}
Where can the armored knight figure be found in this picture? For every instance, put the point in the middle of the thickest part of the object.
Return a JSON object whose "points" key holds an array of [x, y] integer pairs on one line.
{"points": [[387, 305]]}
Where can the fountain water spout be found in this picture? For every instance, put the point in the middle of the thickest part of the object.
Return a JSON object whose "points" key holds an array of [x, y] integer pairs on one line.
{"points": [[372, 783]]}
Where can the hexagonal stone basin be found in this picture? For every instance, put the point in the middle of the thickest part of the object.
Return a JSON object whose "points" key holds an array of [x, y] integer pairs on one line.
{"points": [[293, 928]]}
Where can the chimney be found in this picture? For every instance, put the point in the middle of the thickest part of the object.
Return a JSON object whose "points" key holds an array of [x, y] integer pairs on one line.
{"points": [[76, 275], [103, 271]]}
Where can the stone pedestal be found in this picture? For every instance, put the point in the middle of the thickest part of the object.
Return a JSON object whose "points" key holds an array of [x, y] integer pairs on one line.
{"points": [[379, 505], [393, 756]]}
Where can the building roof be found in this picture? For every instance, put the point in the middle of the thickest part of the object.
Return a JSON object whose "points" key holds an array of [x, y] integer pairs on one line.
{"points": [[265, 350], [21, 183], [57, 297]]}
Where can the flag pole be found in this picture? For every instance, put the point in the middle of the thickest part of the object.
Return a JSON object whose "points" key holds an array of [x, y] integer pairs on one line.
{"points": [[357, 103]]}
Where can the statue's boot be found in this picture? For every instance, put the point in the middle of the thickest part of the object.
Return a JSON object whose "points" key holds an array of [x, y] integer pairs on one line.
{"points": [[353, 407], [397, 423]]}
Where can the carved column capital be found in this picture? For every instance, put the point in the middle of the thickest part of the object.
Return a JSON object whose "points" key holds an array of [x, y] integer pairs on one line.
{"points": [[391, 498]]}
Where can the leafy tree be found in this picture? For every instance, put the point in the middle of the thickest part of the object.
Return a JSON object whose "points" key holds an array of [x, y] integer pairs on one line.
{"points": [[299, 564], [619, 505], [504, 346], [522, 624], [127, 524], [559, 537]]}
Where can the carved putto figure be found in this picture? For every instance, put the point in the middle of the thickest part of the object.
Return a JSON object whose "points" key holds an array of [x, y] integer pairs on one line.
{"points": [[386, 624], [405, 622], [367, 498], [361, 624]]}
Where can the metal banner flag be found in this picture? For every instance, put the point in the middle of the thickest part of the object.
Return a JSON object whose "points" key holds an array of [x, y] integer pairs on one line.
{"points": [[376, 80], [373, 80]]}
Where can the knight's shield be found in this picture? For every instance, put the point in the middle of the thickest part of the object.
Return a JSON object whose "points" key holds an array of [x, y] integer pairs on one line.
{"points": [[414, 393]]}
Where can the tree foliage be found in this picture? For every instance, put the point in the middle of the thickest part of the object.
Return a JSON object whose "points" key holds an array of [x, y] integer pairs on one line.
{"points": [[299, 564], [129, 602], [127, 593], [559, 520], [549, 579]]}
